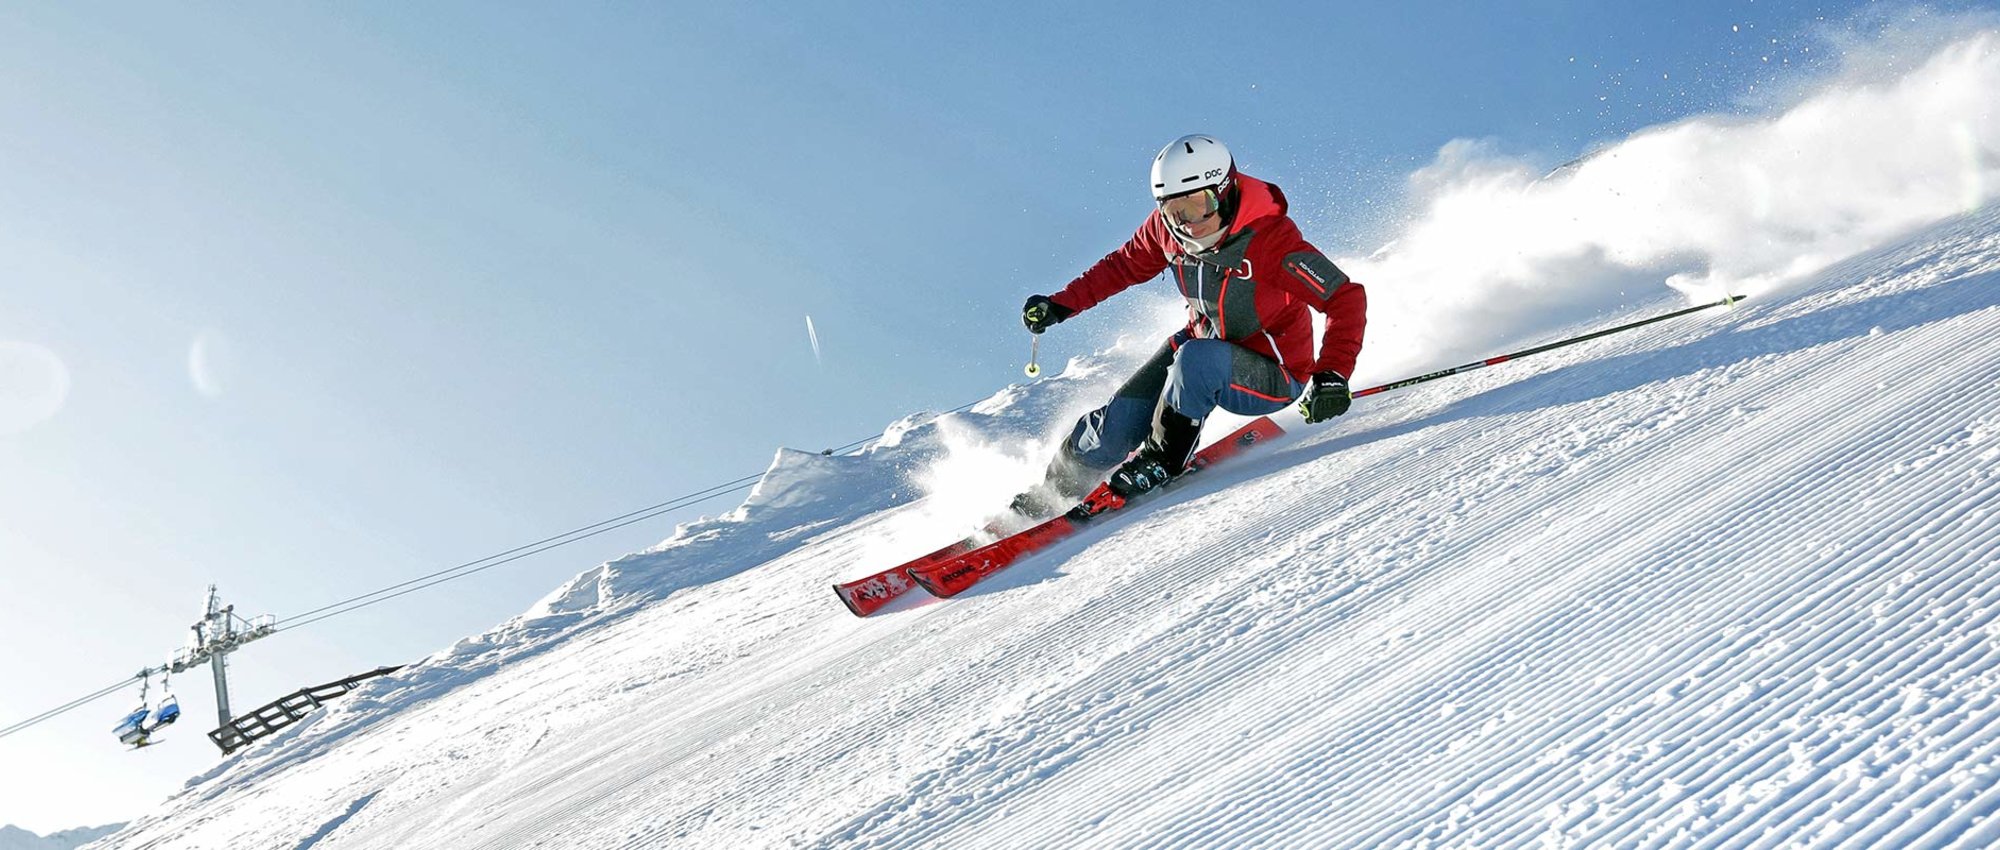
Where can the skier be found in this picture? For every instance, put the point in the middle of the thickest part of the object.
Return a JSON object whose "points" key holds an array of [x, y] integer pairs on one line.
{"points": [[1249, 278]]}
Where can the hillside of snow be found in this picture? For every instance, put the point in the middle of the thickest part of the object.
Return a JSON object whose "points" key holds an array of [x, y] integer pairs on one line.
{"points": [[1728, 581], [1715, 580]]}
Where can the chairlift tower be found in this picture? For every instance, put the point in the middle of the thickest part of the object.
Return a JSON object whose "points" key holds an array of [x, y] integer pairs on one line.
{"points": [[218, 633]]}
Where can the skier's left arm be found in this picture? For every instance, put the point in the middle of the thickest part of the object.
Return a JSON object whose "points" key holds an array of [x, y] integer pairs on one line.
{"points": [[1309, 276]]}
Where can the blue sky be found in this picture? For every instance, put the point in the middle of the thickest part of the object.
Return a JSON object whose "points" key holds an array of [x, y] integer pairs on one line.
{"points": [[345, 295]]}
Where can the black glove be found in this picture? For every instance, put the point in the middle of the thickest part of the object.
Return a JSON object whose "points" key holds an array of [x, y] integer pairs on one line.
{"points": [[1329, 397], [1040, 312]]}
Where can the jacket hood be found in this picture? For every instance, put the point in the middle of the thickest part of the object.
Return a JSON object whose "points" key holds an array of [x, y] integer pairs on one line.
{"points": [[1255, 200]]}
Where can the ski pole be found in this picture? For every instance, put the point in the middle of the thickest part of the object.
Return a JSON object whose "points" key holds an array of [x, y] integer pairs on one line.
{"points": [[1494, 361], [1034, 355]]}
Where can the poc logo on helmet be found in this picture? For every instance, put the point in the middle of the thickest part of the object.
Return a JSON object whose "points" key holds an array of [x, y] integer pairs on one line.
{"points": [[1191, 163]]}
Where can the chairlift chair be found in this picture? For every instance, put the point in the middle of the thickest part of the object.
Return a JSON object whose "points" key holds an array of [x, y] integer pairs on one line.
{"points": [[168, 712], [133, 730], [169, 708]]}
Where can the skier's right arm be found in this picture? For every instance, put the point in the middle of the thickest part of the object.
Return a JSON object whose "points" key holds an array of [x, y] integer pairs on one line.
{"points": [[1141, 259]]}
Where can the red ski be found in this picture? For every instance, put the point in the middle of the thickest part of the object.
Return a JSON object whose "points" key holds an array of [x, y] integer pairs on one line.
{"points": [[951, 575], [867, 595]]}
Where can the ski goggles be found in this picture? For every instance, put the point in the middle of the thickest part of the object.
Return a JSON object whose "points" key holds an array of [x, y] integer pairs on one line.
{"points": [[1192, 207]]}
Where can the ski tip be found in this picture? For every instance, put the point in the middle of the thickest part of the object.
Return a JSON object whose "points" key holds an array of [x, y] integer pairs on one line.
{"points": [[847, 601]]}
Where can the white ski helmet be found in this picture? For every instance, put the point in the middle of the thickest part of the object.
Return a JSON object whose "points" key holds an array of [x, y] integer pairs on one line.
{"points": [[1190, 163]]}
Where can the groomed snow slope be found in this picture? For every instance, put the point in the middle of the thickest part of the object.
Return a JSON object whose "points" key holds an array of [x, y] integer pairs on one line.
{"points": [[1732, 581]]}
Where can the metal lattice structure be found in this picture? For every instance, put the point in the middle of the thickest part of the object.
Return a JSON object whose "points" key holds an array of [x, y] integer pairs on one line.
{"points": [[285, 711]]}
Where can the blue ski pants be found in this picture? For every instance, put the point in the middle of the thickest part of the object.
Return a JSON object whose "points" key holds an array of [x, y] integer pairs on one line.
{"points": [[1194, 377]]}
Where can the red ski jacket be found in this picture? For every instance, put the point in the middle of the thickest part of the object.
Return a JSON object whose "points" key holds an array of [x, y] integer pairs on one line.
{"points": [[1252, 288]]}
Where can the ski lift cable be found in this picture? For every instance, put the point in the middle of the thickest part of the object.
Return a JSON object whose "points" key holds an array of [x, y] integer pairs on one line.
{"points": [[545, 544], [570, 536], [79, 702], [432, 580], [436, 579]]}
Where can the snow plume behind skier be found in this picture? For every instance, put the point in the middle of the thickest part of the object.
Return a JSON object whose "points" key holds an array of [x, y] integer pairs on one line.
{"points": [[1496, 248], [1251, 281]]}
